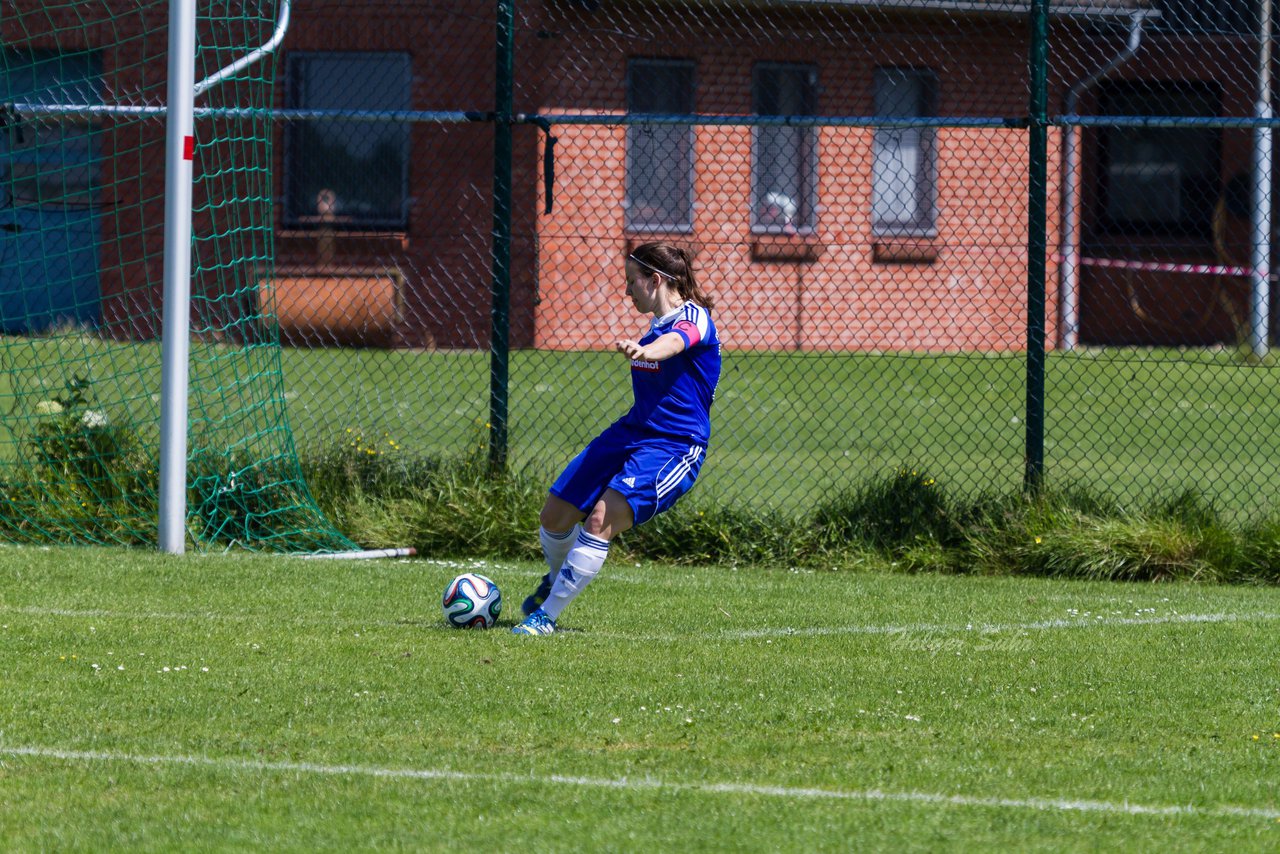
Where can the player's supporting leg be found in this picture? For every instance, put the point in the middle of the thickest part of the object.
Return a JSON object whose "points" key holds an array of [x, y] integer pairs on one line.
{"points": [[611, 516], [558, 525], [555, 548], [582, 564]]}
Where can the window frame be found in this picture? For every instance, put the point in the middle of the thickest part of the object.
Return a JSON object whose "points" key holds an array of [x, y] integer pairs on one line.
{"points": [[925, 221], [294, 77], [630, 223], [1207, 188], [807, 204]]}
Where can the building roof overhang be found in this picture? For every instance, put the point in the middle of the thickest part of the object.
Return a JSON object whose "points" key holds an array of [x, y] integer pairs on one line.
{"points": [[1057, 8]]}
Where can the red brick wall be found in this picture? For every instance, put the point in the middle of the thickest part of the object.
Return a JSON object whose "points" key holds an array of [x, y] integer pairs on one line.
{"points": [[969, 294], [965, 288]]}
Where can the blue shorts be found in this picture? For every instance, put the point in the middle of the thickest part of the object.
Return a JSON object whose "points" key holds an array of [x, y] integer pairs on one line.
{"points": [[650, 471]]}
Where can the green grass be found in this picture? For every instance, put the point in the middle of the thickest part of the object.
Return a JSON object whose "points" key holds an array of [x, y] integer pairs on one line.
{"points": [[687, 709], [788, 427], [791, 426]]}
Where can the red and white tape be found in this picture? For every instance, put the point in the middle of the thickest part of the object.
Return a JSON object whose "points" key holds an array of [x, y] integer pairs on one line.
{"points": [[1163, 267]]}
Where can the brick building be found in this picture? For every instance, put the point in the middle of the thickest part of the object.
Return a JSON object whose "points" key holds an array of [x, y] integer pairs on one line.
{"points": [[817, 238]]}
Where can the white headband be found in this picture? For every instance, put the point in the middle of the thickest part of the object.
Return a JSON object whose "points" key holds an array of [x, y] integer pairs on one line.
{"points": [[652, 268]]}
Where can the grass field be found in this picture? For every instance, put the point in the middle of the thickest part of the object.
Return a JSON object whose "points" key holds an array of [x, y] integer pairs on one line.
{"points": [[153, 703], [787, 426]]}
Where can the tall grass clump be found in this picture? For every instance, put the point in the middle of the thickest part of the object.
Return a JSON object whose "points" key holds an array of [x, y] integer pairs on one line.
{"points": [[83, 475], [705, 533], [1259, 556], [449, 505], [892, 513], [904, 520], [1078, 533]]}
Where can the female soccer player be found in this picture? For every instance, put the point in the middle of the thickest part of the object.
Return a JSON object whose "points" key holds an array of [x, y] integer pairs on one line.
{"points": [[650, 456]]}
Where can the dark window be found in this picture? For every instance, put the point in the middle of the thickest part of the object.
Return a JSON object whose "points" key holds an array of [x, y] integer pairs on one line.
{"points": [[1159, 181], [659, 156], [784, 159], [338, 172], [1208, 16], [903, 172], [50, 163]]}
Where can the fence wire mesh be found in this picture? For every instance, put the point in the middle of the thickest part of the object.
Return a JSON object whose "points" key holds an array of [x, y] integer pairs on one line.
{"points": [[852, 180], [1163, 376]]}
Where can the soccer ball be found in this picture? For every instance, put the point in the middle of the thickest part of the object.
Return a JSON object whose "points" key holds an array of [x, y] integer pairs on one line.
{"points": [[471, 601]]}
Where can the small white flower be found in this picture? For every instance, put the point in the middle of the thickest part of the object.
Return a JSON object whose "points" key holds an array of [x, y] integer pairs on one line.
{"points": [[93, 418], [48, 407], [617, 720]]}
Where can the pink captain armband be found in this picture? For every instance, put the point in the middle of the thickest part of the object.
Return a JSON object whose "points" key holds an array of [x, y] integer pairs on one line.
{"points": [[689, 331]]}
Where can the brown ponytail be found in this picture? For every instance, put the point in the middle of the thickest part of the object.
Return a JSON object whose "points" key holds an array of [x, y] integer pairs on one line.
{"points": [[674, 264]]}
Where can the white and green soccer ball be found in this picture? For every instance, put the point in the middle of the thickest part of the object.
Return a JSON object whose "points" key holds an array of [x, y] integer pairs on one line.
{"points": [[471, 601]]}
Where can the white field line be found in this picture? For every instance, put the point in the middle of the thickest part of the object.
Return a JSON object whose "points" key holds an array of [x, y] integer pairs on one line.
{"points": [[652, 784], [1084, 621], [1079, 622]]}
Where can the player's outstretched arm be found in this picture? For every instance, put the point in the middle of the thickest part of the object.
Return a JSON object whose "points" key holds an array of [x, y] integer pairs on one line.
{"points": [[660, 349]]}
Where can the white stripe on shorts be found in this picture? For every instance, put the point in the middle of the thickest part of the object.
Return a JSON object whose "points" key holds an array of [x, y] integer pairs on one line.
{"points": [[677, 474]]}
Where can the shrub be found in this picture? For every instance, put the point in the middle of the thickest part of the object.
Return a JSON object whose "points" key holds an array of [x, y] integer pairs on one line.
{"points": [[887, 512], [380, 497], [697, 533]]}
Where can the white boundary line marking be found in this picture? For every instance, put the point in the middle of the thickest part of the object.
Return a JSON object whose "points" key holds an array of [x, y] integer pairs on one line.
{"points": [[1081, 622], [652, 784], [1084, 621]]}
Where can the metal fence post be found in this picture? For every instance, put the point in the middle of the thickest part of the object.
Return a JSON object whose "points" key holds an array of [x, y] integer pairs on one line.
{"points": [[1037, 244], [1260, 257], [500, 340]]}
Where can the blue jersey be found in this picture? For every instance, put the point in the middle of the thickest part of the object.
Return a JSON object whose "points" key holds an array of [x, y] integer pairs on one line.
{"points": [[673, 397]]}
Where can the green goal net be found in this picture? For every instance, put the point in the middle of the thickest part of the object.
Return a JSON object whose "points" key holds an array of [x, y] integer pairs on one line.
{"points": [[83, 89]]}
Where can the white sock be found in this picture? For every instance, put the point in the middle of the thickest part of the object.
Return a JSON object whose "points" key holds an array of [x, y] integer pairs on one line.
{"points": [[555, 547], [584, 561]]}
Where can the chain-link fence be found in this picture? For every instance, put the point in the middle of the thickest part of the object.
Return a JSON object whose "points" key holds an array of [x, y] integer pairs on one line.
{"points": [[855, 182], [882, 199]]}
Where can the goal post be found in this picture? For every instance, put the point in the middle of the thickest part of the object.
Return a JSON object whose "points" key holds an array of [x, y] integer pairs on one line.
{"points": [[142, 385], [179, 152]]}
